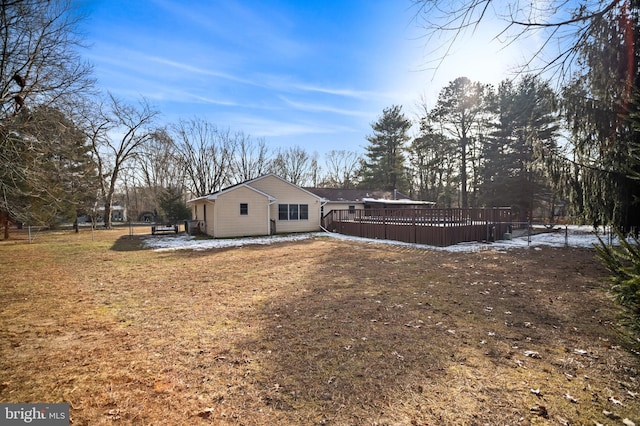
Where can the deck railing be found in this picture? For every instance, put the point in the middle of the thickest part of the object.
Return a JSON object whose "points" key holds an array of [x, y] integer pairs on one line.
{"points": [[432, 226]]}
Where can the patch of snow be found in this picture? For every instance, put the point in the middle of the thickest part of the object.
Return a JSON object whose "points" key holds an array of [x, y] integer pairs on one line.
{"points": [[577, 236], [188, 242]]}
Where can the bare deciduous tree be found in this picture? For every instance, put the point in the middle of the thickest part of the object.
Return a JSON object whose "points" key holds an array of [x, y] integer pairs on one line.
{"points": [[205, 153], [40, 67], [118, 133], [295, 165], [342, 169], [40, 61], [559, 30], [251, 158]]}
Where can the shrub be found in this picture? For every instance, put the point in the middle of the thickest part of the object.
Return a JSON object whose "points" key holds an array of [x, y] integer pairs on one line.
{"points": [[623, 261]]}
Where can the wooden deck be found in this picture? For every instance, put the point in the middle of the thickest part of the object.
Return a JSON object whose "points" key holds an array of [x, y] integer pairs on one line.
{"points": [[437, 227]]}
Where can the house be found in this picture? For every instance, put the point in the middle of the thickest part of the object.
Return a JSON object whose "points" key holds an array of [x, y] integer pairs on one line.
{"points": [[262, 206], [118, 212], [358, 199]]}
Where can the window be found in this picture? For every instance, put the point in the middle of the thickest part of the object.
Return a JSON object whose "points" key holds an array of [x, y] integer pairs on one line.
{"points": [[244, 209], [293, 211], [283, 211]]}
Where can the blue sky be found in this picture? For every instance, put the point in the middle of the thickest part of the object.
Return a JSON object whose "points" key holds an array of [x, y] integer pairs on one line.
{"points": [[313, 74]]}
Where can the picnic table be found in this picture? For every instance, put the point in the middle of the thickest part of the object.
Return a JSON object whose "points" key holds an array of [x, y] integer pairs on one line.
{"points": [[161, 229]]}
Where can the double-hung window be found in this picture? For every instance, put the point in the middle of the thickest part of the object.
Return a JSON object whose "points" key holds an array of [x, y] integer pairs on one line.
{"points": [[244, 209]]}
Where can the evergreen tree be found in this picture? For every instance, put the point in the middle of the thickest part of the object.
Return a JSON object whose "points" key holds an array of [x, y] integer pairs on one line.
{"points": [[433, 163], [526, 129], [172, 205], [58, 179], [599, 107], [459, 110], [40, 68], [623, 261], [385, 167], [496, 170]]}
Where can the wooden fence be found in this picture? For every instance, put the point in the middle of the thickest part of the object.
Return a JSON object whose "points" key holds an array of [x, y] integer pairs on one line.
{"points": [[432, 226]]}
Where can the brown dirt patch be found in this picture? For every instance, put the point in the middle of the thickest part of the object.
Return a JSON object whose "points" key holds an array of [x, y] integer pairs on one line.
{"points": [[312, 332]]}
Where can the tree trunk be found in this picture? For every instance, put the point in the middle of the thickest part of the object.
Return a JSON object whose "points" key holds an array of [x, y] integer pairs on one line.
{"points": [[4, 219], [463, 173], [107, 210]]}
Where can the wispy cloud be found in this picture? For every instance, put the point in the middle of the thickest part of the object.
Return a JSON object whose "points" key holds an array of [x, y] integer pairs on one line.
{"points": [[349, 93], [265, 127], [197, 70], [292, 72], [315, 107]]}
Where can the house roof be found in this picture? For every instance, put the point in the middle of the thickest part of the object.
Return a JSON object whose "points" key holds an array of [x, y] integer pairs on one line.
{"points": [[288, 183], [214, 195], [247, 184], [356, 195], [403, 202]]}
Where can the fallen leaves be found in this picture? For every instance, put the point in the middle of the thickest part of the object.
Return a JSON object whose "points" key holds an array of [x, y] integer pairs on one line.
{"points": [[540, 410], [532, 354], [304, 333], [615, 401], [206, 413]]}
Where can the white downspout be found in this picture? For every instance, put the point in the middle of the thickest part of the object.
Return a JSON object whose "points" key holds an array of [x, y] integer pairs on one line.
{"points": [[269, 216], [212, 203]]}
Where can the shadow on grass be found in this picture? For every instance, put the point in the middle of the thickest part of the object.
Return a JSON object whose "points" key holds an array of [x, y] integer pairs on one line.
{"points": [[129, 243], [387, 339]]}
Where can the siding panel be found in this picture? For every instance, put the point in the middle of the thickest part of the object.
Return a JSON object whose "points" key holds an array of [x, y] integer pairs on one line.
{"points": [[286, 193], [230, 223]]}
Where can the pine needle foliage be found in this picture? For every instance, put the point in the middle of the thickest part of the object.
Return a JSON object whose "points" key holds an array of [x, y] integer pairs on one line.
{"points": [[623, 261]]}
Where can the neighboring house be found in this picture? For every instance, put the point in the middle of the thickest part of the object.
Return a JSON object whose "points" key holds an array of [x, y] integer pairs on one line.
{"points": [[262, 206], [118, 213], [359, 199]]}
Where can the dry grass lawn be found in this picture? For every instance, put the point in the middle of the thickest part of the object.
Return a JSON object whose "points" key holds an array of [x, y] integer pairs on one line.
{"points": [[309, 333]]}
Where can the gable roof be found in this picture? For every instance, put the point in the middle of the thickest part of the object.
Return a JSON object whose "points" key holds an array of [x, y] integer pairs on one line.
{"points": [[247, 184], [288, 183]]}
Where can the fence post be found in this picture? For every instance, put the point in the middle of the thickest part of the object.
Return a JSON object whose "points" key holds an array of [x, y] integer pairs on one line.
{"points": [[415, 228], [384, 222]]}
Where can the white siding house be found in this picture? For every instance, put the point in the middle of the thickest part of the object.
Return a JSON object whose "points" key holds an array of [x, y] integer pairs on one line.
{"points": [[262, 206]]}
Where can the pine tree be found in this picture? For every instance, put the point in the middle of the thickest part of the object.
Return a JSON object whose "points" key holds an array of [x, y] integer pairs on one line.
{"points": [[172, 205], [433, 164], [61, 180], [599, 108], [526, 128], [623, 261], [459, 112], [385, 166]]}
